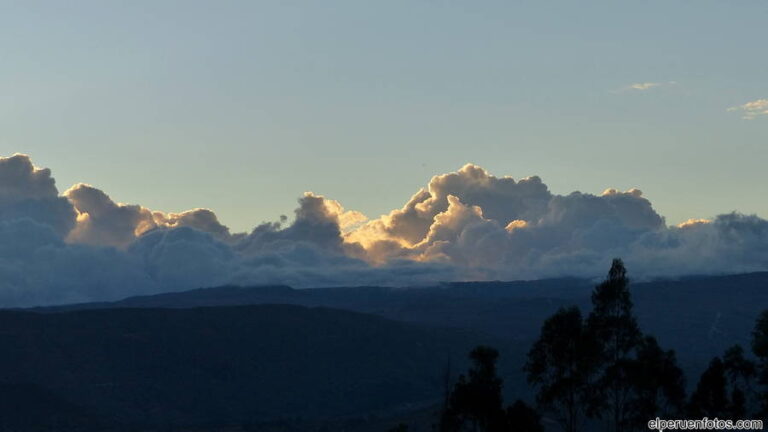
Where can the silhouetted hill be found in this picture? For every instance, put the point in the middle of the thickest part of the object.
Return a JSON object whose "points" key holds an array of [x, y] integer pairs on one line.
{"points": [[697, 316], [371, 297], [490, 307], [334, 366], [222, 365]]}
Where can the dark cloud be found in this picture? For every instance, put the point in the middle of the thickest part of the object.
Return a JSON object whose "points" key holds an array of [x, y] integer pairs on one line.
{"points": [[38, 267], [27, 191], [182, 257]]}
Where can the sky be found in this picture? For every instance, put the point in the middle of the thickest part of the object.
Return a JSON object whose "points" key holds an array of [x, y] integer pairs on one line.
{"points": [[242, 106], [159, 146]]}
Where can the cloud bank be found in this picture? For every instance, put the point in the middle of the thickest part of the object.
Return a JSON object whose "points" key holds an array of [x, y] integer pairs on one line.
{"points": [[467, 225]]}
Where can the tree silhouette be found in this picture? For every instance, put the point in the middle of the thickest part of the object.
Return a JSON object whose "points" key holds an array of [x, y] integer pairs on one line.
{"points": [[522, 418], [658, 384], [618, 334], [741, 373], [726, 388], [560, 364], [476, 402], [710, 399], [760, 349], [402, 427], [605, 367]]}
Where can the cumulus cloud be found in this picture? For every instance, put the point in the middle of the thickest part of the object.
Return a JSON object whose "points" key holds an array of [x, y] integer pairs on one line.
{"points": [[498, 228], [498, 197], [200, 219], [465, 225], [101, 221], [27, 191], [732, 243], [752, 110], [37, 267]]}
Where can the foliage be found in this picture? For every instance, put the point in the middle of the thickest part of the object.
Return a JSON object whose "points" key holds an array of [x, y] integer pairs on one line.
{"points": [[604, 367], [710, 399], [614, 326], [476, 403], [561, 364], [657, 382]]}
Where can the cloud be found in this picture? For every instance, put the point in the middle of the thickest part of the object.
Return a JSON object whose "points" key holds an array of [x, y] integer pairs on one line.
{"points": [[752, 110], [643, 86], [101, 221], [501, 198], [732, 243], [37, 267], [200, 219], [27, 191], [465, 225], [183, 257]]}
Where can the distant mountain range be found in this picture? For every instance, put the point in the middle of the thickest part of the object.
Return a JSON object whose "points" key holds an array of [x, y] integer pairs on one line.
{"points": [[244, 355], [698, 316]]}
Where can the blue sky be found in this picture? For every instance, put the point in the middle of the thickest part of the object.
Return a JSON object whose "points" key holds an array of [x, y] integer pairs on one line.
{"points": [[243, 106]]}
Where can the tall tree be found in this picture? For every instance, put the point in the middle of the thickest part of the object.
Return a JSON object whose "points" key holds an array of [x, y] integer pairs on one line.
{"points": [[616, 329], [560, 365], [741, 373], [476, 401], [760, 349], [522, 418], [658, 384], [710, 399], [725, 389]]}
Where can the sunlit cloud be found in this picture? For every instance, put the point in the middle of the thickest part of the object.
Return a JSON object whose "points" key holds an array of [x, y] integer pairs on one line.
{"points": [[752, 110], [83, 245], [693, 222]]}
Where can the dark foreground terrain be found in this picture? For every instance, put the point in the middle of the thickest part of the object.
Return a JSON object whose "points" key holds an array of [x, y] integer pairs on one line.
{"points": [[217, 365], [275, 358]]}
